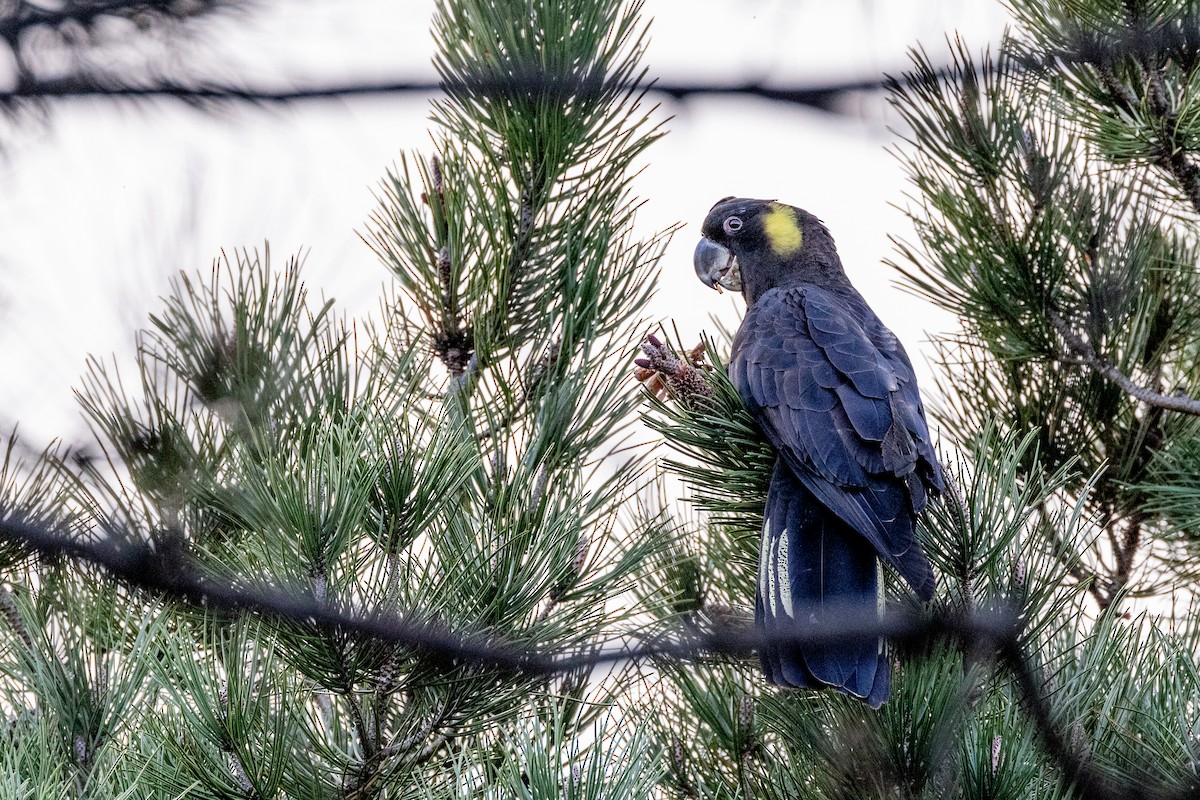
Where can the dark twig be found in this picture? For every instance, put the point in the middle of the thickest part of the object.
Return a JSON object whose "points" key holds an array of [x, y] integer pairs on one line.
{"points": [[1085, 352], [1173, 154], [824, 96], [27, 17], [175, 575], [172, 573], [1147, 48]]}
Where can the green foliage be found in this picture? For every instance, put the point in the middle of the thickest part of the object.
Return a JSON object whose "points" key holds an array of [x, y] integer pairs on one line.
{"points": [[494, 242], [231, 705], [457, 466], [1126, 693], [539, 759], [725, 462], [728, 460], [26, 494], [459, 463], [1069, 254], [1055, 197], [954, 725]]}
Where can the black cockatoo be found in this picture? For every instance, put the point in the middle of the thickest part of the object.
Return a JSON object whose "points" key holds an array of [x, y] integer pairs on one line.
{"points": [[834, 392]]}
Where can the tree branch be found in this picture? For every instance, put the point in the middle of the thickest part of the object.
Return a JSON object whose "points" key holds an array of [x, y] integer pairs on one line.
{"points": [[28, 16], [173, 574], [824, 97], [1101, 365]]}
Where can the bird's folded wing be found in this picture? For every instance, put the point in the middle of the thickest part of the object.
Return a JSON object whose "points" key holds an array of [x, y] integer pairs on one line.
{"points": [[843, 412]]}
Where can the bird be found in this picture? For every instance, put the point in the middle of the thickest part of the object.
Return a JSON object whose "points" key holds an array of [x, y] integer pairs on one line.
{"points": [[834, 393]]}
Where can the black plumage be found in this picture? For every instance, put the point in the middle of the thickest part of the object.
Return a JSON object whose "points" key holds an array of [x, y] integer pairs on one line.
{"points": [[834, 392]]}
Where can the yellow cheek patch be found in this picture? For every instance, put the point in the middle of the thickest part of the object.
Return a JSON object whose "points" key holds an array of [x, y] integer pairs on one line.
{"points": [[782, 230]]}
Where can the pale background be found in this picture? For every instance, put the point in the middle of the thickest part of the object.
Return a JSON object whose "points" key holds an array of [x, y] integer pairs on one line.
{"points": [[104, 200]]}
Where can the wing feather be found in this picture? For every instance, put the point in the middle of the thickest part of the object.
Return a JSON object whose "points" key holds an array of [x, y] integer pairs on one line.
{"points": [[834, 392]]}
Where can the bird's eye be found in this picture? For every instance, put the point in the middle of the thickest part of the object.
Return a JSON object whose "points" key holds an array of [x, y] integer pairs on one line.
{"points": [[733, 225]]}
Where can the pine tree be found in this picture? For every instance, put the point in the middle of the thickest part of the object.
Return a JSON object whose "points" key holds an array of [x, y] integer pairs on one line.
{"points": [[275, 480], [314, 558], [1056, 199]]}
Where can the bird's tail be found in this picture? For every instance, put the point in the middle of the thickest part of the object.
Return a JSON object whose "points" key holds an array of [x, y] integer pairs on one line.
{"points": [[812, 562]]}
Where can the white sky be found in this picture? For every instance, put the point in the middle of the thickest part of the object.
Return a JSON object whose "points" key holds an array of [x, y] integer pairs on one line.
{"points": [[104, 202]]}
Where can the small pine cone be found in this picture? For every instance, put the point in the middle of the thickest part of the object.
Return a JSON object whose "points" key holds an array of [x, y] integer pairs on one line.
{"points": [[679, 767], [678, 755], [722, 615], [435, 174], [8, 610], [1079, 742], [581, 553], [443, 267], [319, 584], [746, 712], [681, 378], [385, 680]]}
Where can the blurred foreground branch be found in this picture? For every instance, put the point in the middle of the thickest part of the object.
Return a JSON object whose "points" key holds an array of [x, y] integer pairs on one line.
{"points": [[170, 572], [821, 96]]}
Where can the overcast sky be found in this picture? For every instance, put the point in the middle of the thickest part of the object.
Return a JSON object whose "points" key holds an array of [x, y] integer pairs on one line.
{"points": [[103, 202]]}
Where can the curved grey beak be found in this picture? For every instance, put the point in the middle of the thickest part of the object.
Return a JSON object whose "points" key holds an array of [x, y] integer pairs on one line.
{"points": [[716, 266]]}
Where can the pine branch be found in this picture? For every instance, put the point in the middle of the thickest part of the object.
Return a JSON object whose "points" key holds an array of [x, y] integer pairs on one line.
{"points": [[172, 575], [1088, 357], [1173, 153], [823, 96]]}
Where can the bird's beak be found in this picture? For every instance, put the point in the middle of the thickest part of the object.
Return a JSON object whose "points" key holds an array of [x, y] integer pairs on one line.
{"points": [[716, 266]]}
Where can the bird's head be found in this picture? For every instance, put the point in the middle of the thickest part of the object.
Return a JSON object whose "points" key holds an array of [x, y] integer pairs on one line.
{"points": [[751, 246]]}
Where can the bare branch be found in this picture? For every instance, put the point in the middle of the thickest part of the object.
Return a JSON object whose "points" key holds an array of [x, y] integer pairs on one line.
{"points": [[26, 16], [170, 572], [1089, 357], [824, 96]]}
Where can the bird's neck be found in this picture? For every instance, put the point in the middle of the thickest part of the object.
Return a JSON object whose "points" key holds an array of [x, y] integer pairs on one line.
{"points": [[829, 275]]}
